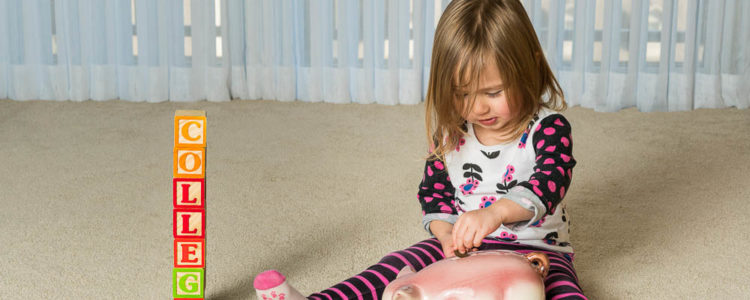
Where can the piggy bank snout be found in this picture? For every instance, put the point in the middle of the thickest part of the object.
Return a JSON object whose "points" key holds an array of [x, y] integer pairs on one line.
{"points": [[407, 292]]}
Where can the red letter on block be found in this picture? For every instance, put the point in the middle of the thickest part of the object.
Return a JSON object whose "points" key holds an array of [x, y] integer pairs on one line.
{"points": [[189, 223], [188, 192], [189, 253]]}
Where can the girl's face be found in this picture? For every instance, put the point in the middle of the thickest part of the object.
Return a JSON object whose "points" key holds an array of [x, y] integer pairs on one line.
{"points": [[490, 108]]}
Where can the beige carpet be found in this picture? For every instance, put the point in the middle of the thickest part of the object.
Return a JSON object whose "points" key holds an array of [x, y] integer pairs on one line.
{"points": [[659, 202]]}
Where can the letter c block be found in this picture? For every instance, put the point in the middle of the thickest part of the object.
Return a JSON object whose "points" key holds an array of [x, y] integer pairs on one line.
{"points": [[189, 223], [188, 192], [190, 128], [189, 253], [187, 283], [189, 163]]}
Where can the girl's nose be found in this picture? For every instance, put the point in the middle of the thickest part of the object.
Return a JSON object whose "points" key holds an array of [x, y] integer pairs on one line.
{"points": [[480, 106]]}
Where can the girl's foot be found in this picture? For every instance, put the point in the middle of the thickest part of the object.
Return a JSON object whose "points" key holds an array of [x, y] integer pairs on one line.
{"points": [[271, 285]]}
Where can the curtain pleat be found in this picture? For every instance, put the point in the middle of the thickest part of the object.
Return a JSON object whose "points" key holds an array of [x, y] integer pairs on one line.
{"points": [[656, 55]]}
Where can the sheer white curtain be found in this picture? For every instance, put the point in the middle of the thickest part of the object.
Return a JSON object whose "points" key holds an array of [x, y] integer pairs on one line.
{"points": [[185, 50], [608, 54], [115, 49], [657, 55], [335, 51]]}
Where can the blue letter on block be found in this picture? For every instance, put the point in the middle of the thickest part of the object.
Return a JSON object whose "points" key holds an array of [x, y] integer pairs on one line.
{"points": [[187, 283]]}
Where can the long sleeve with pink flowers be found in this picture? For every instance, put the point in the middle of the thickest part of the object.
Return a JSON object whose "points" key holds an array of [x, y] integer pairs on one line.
{"points": [[553, 168], [436, 195]]}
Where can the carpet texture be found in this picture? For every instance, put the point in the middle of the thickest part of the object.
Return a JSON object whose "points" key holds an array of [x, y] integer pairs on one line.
{"points": [[659, 201]]}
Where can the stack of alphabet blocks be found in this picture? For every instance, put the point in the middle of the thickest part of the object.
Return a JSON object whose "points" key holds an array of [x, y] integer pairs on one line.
{"points": [[188, 197]]}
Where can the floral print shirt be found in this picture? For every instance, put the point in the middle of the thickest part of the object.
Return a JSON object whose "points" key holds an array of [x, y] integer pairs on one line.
{"points": [[534, 171]]}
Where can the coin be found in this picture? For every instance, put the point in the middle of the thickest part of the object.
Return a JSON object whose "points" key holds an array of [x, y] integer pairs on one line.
{"points": [[459, 254]]}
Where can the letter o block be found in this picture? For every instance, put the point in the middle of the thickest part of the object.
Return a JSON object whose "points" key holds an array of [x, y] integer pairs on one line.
{"points": [[187, 283], [189, 163]]}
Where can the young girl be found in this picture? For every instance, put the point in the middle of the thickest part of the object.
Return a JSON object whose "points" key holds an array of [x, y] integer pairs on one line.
{"points": [[500, 161]]}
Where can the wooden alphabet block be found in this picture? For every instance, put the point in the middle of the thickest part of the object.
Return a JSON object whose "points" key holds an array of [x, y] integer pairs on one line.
{"points": [[189, 223], [189, 163], [189, 253], [188, 192], [190, 128], [187, 283]]}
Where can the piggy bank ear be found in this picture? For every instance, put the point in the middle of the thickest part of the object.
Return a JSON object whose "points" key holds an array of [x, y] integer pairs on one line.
{"points": [[407, 270], [540, 262]]}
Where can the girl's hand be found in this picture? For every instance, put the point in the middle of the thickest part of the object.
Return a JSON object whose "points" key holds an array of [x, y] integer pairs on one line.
{"points": [[443, 232], [446, 240], [473, 226]]}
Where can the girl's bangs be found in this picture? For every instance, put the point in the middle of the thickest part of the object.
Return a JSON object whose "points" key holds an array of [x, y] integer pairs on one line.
{"points": [[466, 76]]}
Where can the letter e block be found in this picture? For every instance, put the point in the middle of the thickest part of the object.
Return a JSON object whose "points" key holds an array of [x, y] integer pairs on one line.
{"points": [[188, 192], [187, 283], [189, 253], [190, 128], [189, 223], [189, 163]]}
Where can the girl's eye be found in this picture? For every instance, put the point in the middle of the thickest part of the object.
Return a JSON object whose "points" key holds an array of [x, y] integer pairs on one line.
{"points": [[494, 94]]}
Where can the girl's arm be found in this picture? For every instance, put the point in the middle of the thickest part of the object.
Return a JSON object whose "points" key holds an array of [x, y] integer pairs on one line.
{"points": [[473, 226], [553, 169], [443, 231], [436, 195], [510, 212]]}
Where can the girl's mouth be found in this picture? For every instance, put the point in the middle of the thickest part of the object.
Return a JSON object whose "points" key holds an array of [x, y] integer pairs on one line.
{"points": [[488, 122]]}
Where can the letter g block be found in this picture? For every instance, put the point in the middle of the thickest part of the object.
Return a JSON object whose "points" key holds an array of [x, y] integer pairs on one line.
{"points": [[187, 283]]}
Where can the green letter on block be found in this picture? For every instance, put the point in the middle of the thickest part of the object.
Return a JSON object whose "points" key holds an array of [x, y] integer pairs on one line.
{"points": [[187, 283]]}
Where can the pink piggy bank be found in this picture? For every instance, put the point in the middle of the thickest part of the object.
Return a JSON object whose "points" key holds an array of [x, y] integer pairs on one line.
{"points": [[482, 275]]}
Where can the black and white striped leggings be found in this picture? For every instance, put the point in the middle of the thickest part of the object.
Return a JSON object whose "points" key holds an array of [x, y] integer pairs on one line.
{"points": [[560, 283]]}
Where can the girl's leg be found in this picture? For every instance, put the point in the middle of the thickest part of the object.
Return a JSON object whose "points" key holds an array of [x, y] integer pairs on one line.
{"points": [[371, 283], [561, 281]]}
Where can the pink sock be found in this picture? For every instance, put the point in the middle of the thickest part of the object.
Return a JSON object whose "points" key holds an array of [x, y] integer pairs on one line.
{"points": [[268, 280], [272, 285]]}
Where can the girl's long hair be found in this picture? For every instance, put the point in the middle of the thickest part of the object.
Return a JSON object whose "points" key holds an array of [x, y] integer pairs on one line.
{"points": [[469, 33]]}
